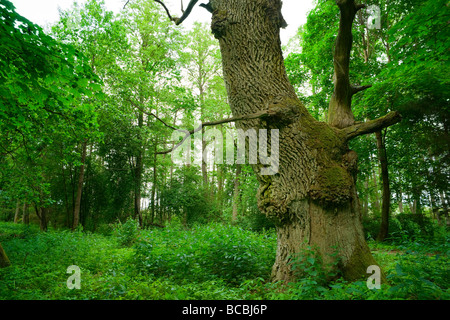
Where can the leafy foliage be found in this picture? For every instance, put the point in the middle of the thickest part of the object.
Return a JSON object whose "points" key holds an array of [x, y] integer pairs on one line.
{"points": [[48, 95]]}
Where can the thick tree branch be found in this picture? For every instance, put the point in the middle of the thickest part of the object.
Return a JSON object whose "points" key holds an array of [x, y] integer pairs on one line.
{"points": [[207, 6], [340, 114], [356, 89], [372, 125], [186, 12], [256, 115]]}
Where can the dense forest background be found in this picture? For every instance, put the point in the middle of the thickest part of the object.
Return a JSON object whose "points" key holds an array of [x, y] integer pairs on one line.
{"points": [[87, 112]]}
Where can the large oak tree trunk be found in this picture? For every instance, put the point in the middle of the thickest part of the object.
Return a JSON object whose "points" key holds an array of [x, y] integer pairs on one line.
{"points": [[312, 198]]}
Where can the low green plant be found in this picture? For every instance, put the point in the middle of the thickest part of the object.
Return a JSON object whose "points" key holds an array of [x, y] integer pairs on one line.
{"points": [[311, 272], [127, 233], [213, 261], [212, 251]]}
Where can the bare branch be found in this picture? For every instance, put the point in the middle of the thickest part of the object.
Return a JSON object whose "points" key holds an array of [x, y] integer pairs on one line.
{"points": [[255, 115], [372, 125], [185, 14], [152, 115], [160, 120], [167, 10]]}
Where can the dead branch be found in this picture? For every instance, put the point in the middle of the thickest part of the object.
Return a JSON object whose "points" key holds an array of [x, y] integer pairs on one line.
{"points": [[185, 14], [255, 115]]}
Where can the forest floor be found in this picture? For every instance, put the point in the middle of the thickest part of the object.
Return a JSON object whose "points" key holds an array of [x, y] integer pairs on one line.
{"points": [[214, 262]]}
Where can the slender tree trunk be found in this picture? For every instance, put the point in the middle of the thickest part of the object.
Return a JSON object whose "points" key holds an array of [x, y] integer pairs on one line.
{"points": [[220, 182], [312, 198], [4, 261], [434, 208], [201, 88], [76, 211], [220, 179], [41, 214], [386, 202], [25, 215], [365, 211], [139, 168], [236, 193], [16, 215], [73, 188], [154, 181], [66, 197], [413, 206], [204, 165], [376, 201], [444, 208], [137, 187], [400, 201], [160, 208], [417, 202]]}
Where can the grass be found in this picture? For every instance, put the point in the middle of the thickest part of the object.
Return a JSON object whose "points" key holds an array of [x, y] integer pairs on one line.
{"points": [[211, 262]]}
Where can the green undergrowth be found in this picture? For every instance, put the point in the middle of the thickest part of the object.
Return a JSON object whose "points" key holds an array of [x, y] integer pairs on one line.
{"points": [[212, 261]]}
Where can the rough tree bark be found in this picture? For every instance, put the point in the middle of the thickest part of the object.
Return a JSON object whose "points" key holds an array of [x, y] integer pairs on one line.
{"points": [[312, 199]]}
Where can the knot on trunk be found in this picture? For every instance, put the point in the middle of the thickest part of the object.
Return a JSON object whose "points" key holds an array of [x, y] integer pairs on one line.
{"points": [[273, 204], [219, 23], [282, 111], [333, 186]]}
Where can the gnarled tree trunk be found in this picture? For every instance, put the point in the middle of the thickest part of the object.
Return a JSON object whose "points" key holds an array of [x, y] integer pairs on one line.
{"points": [[312, 199]]}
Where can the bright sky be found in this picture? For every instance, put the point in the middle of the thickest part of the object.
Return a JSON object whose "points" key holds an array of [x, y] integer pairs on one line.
{"points": [[43, 12]]}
